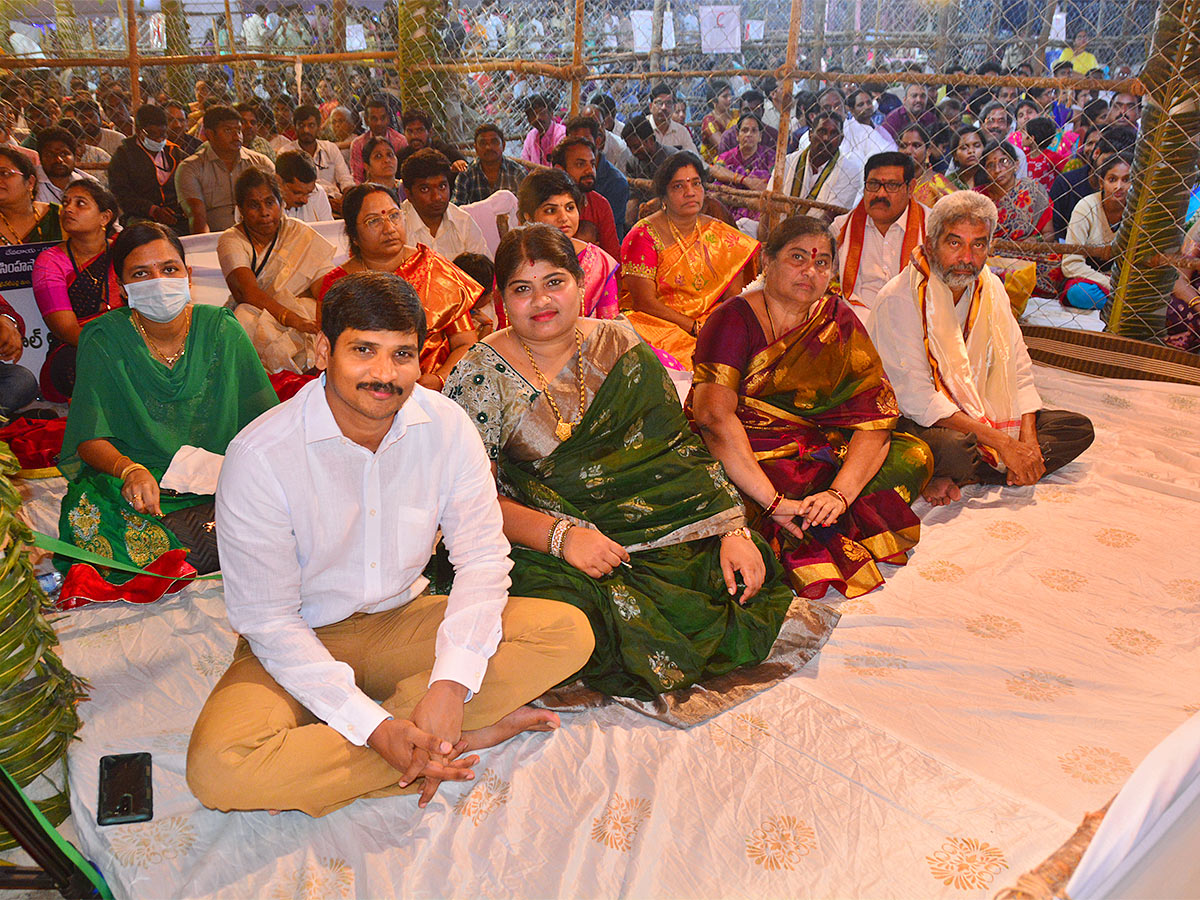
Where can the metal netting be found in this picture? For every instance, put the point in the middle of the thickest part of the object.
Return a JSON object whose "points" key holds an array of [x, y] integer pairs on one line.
{"points": [[481, 62]]}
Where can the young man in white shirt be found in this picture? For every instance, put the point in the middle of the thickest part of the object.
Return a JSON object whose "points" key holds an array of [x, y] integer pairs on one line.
{"points": [[303, 196], [349, 680], [877, 237], [332, 172], [821, 171], [429, 216], [954, 353]]}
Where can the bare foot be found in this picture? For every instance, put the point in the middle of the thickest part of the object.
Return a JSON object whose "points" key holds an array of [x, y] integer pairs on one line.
{"points": [[941, 491], [527, 718]]}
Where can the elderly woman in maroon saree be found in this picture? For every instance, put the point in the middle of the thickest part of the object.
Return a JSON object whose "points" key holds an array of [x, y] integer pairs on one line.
{"points": [[790, 395]]}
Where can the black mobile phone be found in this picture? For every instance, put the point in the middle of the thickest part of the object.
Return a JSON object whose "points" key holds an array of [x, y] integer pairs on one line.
{"points": [[126, 794]]}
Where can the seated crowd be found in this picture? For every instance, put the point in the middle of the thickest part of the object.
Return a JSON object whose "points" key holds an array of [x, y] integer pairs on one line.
{"points": [[510, 411]]}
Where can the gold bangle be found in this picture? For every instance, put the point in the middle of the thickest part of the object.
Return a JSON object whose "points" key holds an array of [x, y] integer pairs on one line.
{"points": [[738, 532], [131, 467], [117, 466], [840, 496]]}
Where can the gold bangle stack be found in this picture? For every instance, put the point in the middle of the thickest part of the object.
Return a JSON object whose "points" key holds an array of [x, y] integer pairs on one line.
{"points": [[558, 536]]}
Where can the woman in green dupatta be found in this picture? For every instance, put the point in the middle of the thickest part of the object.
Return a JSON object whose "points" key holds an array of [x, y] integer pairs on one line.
{"points": [[791, 396], [155, 376], [610, 502]]}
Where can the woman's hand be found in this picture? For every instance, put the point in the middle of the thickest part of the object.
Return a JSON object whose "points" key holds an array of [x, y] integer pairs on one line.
{"points": [[433, 381], [591, 552], [141, 492], [738, 554], [786, 513], [820, 509]]}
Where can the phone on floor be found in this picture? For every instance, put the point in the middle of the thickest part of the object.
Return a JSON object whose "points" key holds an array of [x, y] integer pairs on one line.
{"points": [[126, 794]]}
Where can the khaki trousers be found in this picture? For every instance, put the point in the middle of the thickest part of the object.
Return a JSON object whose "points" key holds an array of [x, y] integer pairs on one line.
{"points": [[256, 747]]}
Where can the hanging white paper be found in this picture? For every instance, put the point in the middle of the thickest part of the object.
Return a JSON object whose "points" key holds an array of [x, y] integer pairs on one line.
{"points": [[643, 29], [720, 29]]}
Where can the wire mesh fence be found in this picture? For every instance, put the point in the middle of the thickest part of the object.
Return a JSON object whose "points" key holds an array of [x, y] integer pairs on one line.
{"points": [[1112, 79]]}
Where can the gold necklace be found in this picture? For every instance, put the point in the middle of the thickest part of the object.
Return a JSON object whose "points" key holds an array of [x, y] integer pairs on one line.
{"points": [[563, 429], [168, 361], [697, 277]]}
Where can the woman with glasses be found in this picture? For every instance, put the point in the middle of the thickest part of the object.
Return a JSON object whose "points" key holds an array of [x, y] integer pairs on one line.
{"points": [[22, 219], [790, 396], [1024, 209], [678, 264], [378, 242], [273, 265]]}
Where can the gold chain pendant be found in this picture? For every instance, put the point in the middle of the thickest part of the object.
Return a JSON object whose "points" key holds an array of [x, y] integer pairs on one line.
{"points": [[563, 430]]}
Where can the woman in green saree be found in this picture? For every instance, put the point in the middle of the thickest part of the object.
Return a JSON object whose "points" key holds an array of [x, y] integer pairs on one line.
{"points": [[153, 377], [610, 502]]}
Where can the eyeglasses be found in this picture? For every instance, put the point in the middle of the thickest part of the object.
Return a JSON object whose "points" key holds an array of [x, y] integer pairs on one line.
{"points": [[892, 187], [375, 223], [6, 174], [999, 163]]}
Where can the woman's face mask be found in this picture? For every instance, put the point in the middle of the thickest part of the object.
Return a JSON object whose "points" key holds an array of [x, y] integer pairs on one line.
{"points": [[153, 146], [159, 299]]}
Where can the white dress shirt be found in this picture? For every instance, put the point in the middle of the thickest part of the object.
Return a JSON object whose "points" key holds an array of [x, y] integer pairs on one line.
{"points": [[317, 209], [896, 330], [332, 172], [313, 528], [842, 188], [676, 136], [457, 234], [878, 264]]}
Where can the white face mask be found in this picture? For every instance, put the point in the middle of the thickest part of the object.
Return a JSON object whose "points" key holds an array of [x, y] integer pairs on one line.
{"points": [[159, 299], [153, 146]]}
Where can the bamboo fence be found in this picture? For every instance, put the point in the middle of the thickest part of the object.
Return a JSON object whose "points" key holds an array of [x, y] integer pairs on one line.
{"points": [[1177, 40]]}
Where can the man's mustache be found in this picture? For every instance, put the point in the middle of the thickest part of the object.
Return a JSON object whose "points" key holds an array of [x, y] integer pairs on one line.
{"points": [[380, 387]]}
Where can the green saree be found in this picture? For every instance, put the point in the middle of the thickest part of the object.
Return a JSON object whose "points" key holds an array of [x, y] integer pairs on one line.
{"points": [[635, 471], [148, 411]]}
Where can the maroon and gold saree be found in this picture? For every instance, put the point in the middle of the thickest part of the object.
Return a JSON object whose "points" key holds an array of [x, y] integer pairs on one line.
{"points": [[800, 398]]}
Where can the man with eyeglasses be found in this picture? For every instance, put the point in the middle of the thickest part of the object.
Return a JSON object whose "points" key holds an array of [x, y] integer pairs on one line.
{"points": [[668, 132], [876, 239], [968, 392]]}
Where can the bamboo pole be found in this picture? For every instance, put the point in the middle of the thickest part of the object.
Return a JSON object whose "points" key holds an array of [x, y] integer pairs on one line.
{"points": [[135, 75], [820, 13], [656, 35], [785, 115], [577, 59], [239, 77]]}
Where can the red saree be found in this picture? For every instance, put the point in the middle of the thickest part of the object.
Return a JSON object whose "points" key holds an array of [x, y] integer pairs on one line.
{"points": [[800, 398]]}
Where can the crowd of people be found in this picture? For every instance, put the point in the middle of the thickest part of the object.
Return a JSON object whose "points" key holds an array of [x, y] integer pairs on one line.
{"points": [[511, 412]]}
